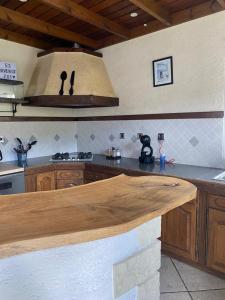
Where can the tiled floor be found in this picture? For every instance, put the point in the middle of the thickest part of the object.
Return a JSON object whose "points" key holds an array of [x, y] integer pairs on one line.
{"points": [[183, 282]]}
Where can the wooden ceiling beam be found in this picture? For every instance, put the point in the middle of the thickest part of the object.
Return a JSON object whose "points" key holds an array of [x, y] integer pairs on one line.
{"points": [[82, 13], [188, 14], [28, 22], [154, 9], [221, 3], [24, 39]]}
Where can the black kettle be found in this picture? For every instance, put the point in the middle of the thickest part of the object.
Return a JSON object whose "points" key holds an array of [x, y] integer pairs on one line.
{"points": [[1, 157]]}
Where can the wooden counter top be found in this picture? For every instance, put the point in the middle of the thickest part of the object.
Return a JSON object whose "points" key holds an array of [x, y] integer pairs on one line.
{"points": [[42, 220]]}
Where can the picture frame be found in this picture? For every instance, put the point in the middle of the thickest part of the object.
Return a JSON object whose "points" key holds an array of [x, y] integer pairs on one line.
{"points": [[162, 71]]}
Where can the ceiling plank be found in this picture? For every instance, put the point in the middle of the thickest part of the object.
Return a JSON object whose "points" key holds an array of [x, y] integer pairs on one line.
{"points": [[221, 3], [82, 13], [154, 9], [28, 22], [24, 39], [182, 16]]}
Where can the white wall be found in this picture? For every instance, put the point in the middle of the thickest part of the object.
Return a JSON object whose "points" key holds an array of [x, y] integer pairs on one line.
{"points": [[198, 52]]}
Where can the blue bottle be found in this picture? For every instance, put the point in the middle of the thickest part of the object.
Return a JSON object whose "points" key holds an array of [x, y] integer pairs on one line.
{"points": [[162, 162]]}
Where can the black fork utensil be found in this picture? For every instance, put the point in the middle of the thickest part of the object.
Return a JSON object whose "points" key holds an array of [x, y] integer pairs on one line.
{"points": [[71, 91], [63, 77]]}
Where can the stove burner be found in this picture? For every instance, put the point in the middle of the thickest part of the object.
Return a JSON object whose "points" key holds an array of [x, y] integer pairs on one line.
{"points": [[79, 156], [84, 155], [61, 156]]}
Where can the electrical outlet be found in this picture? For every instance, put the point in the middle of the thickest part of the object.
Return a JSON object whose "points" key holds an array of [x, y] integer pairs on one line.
{"points": [[161, 136], [2, 139], [122, 135], [139, 135]]}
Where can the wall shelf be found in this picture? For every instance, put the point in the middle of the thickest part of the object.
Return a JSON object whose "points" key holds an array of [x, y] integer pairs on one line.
{"points": [[11, 92]]}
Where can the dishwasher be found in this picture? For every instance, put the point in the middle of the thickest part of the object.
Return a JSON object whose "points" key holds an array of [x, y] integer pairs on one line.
{"points": [[12, 184]]}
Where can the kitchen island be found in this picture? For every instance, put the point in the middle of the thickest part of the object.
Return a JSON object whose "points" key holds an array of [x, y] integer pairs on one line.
{"points": [[92, 242]]}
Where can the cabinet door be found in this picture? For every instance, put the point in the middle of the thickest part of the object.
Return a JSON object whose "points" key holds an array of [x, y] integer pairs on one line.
{"points": [[64, 184], [216, 239], [30, 183], [45, 181], [179, 231]]}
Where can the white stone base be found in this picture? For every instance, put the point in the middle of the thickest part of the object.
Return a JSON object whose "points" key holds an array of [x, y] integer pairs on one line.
{"points": [[124, 267]]}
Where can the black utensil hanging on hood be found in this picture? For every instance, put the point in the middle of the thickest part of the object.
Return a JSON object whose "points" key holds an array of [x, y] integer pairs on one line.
{"points": [[71, 91], [63, 77]]}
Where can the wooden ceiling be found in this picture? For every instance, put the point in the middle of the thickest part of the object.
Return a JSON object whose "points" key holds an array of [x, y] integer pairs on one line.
{"points": [[94, 23]]}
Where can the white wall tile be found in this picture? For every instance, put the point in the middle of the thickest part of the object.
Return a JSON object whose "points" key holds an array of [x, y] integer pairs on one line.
{"points": [[44, 133], [178, 133]]}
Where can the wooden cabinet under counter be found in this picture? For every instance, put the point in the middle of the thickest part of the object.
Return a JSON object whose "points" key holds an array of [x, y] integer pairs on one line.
{"points": [[216, 233], [179, 230], [69, 178], [45, 181], [42, 179]]}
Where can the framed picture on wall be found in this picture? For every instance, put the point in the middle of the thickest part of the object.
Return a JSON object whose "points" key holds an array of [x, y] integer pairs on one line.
{"points": [[163, 71]]}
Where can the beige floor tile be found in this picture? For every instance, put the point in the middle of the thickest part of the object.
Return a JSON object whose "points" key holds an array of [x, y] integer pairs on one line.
{"points": [[175, 296], [209, 295], [196, 280], [169, 278]]}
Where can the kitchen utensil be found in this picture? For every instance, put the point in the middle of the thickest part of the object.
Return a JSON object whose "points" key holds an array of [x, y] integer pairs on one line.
{"points": [[29, 145], [1, 157], [63, 77], [21, 148], [72, 83]]}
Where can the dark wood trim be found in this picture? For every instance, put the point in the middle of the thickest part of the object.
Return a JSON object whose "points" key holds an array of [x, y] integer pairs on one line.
{"points": [[165, 116], [76, 101], [196, 115], [82, 50], [37, 119]]}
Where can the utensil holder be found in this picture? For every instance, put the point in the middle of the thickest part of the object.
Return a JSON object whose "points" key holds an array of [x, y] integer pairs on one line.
{"points": [[22, 159]]}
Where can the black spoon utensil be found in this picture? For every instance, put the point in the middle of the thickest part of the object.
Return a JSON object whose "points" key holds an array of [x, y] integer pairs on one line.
{"points": [[72, 83], [63, 77]]}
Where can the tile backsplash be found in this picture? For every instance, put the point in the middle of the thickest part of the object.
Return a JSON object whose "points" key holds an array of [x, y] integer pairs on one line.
{"points": [[193, 141], [52, 137]]}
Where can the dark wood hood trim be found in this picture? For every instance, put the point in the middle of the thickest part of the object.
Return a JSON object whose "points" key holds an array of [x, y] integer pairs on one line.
{"points": [[81, 50], [193, 115], [76, 101]]}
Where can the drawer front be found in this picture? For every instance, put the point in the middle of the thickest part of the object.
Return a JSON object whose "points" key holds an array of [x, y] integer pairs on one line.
{"points": [[217, 202], [69, 174], [63, 184]]}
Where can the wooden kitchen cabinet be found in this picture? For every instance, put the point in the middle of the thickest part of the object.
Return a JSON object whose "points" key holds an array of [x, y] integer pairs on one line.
{"points": [[69, 178], [179, 231], [94, 173], [45, 181], [216, 233]]}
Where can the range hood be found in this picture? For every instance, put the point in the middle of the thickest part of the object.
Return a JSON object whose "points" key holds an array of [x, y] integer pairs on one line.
{"points": [[92, 86]]}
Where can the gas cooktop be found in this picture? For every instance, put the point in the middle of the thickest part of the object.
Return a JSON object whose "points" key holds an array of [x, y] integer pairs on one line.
{"points": [[76, 156]]}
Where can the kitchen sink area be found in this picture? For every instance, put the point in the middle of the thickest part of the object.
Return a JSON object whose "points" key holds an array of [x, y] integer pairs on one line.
{"points": [[221, 176]]}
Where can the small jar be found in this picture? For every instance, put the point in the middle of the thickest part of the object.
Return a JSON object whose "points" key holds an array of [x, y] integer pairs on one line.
{"points": [[118, 154]]}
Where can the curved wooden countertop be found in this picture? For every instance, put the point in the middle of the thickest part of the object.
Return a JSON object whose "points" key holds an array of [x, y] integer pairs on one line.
{"points": [[41, 220]]}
